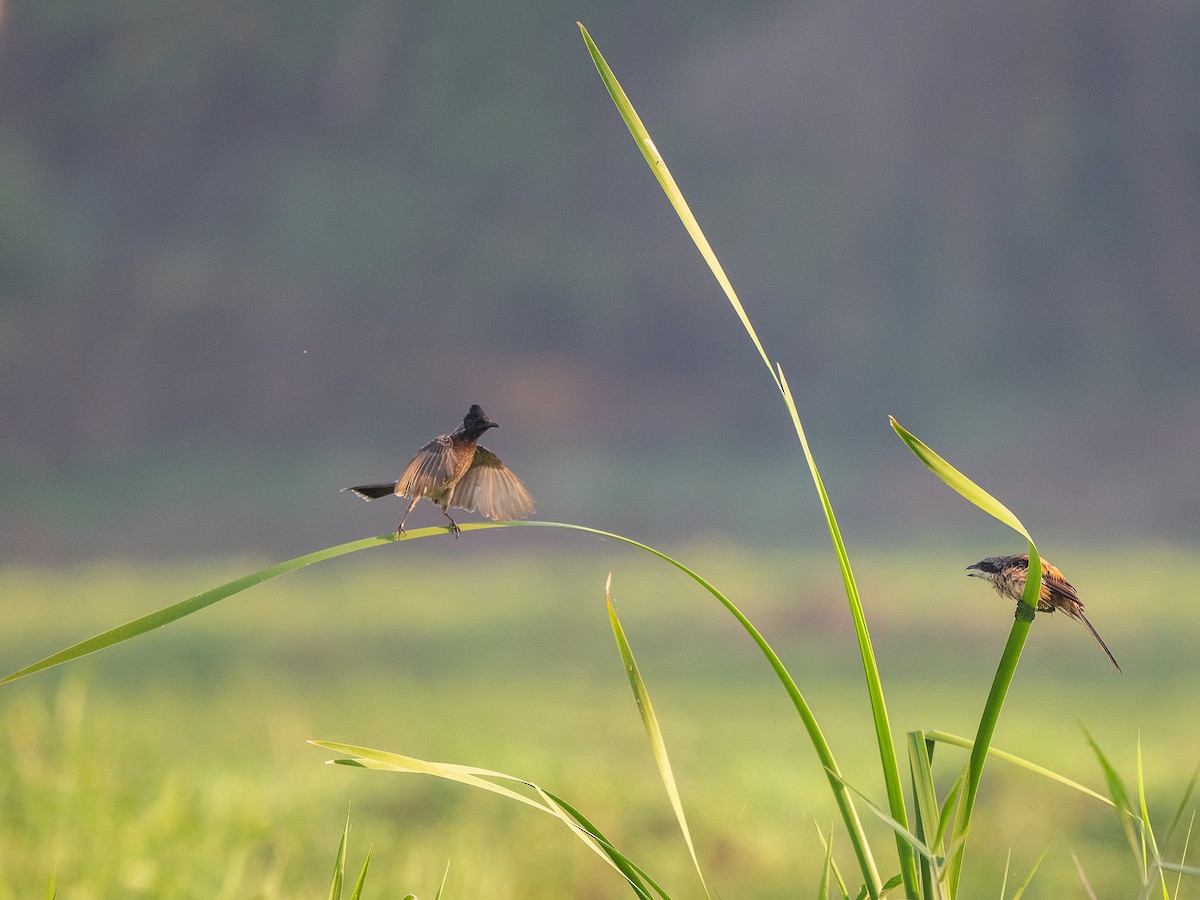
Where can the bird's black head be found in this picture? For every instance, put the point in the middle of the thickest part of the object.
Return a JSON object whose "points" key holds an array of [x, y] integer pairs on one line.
{"points": [[476, 421], [993, 565]]}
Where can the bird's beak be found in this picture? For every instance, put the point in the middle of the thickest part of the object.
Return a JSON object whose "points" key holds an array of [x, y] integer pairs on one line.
{"points": [[978, 573], [493, 424]]}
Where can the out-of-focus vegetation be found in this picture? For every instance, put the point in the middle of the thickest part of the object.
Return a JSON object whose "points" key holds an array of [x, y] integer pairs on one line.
{"points": [[176, 765], [251, 252]]}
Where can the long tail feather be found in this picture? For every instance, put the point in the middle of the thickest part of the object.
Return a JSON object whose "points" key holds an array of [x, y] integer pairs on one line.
{"points": [[1099, 640], [373, 491]]}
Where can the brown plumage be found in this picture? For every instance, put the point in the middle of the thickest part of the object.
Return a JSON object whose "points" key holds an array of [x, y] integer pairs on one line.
{"points": [[1008, 575], [453, 470]]}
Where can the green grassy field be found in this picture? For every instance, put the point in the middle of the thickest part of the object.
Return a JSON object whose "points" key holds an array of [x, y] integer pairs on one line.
{"points": [[176, 765]]}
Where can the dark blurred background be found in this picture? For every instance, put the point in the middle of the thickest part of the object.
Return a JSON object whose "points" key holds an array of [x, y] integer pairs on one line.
{"points": [[252, 252]]}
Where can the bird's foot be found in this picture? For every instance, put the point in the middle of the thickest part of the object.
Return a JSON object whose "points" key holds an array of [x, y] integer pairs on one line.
{"points": [[399, 532], [454, 529]]}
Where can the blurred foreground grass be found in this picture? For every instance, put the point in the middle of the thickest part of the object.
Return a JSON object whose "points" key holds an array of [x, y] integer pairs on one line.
{"points": [[176, 766]]}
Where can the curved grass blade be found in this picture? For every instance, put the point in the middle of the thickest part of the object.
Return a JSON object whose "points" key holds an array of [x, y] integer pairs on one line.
{"points": [[194, 604], [1016, 638], [890, 764], [653, 732], [367, 758], [186, 607]]}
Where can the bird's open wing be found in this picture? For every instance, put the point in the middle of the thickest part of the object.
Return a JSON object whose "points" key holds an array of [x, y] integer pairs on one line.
{"points": [[429, 470], [492, 489]]}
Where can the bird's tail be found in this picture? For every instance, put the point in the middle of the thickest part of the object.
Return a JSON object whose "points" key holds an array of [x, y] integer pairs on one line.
{"points": [[1078, 614], [375, 491]]}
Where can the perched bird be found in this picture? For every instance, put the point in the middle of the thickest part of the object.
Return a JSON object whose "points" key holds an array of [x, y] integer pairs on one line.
{"points": [[453, 470], [1008, 574]]}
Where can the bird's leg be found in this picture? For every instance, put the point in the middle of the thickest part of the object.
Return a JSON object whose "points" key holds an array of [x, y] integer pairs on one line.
{"points": [[453, 525], [400, 530]]}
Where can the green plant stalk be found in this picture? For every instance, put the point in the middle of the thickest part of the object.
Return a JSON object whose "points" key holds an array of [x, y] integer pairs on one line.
{"points": [[889, 763], [1025, 612], [883, 729], [987, 728]]}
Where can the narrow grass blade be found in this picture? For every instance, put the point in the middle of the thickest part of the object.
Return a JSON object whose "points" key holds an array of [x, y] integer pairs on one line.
{"points": [[958, 481], [827, 869], [845, 803], [889, 764], [194, 604], [1183, 802], [1029, 878], [1120, 796], [925, 803], [653, 732], [1083, 879], [1181, 869], [382, 760], [442, 887], [887, 749], [641, 137], [634, 874], [1148, 830], [923, 849], [924, 794], [827, 846], [339, 864], [954, 740], [362, 879]]}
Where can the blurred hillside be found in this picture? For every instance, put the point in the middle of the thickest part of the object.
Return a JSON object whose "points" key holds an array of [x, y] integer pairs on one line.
{"points": [[253, 252]]}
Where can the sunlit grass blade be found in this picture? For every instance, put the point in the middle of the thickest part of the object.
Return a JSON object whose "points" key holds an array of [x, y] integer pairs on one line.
{"points": [[879, 712], [958, 481], [1033, 871], [845, 804], [362, 879], [1150, 852], [826, 870], [1083, 879], [442, 886], [653, 730], [935, 860], [925, 803], [1017, 635], [641, 137], [827, 846], [382, 760], [889, 764], [637, 876], [184, 608], [1180, 868], [339, 864], [1183, 802], [1118, 793], [954, 740]]}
